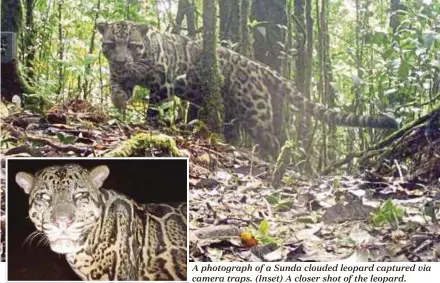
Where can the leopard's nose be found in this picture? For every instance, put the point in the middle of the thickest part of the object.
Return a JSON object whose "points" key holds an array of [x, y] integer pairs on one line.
{"points": [[62, 215], [62, 222], [120, 58]]}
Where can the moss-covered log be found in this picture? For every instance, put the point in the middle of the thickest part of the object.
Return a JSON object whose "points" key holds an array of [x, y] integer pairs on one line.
{"points": [[143, 142]]}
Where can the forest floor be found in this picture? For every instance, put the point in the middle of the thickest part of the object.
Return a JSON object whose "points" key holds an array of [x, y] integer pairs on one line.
{"points": [[385, 213]]}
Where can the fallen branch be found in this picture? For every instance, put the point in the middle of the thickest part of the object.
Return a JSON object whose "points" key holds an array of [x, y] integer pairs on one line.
{"points": [[20, 135]]}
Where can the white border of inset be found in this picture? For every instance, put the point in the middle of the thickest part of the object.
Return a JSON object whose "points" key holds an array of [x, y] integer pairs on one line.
{"points": [[103, 159]]}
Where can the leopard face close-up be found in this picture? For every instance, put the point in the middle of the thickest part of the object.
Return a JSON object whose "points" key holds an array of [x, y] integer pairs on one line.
{"points": [[105, 235], [167, 64], [64, 204], [123, 45]]}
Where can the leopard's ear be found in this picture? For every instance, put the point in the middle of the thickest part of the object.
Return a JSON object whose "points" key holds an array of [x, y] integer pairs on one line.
{"points": [[25, 181], [102, 27], [98, 175], [143, 28]]}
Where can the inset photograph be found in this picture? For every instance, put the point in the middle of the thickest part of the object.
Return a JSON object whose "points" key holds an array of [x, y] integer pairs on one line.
{"points": [[97, 219]]}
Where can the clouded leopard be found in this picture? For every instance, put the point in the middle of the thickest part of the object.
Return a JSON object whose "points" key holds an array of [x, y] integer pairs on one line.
{"points": [[106, 235], [167, 63]]}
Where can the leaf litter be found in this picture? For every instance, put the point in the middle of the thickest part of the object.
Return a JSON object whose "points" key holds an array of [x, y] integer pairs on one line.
{"points": [[236, 214]]}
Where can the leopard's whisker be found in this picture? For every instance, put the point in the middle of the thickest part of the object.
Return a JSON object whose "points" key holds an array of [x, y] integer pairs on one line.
{"points": [[32, 236], [43, 241]]}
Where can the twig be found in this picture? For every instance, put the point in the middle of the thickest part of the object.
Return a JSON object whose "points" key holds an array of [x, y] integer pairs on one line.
{"points": [[252, 159], [399, 169], [46, 141]]}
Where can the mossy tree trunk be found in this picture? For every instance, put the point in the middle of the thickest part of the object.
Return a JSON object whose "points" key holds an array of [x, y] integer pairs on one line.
{"points": [[212, 111], [308, 137], [303, 65], [61, 47], [325, 88], [29, 39], [87, 86], [358, 107], [12, 81], [245, 38]]}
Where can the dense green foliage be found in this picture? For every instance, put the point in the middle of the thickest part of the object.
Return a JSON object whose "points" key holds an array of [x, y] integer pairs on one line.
{"points": [[399, 69]]}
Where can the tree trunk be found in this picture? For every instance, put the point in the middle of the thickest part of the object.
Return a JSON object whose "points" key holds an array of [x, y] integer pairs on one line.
{"points": [[245, 38], [286, 67], [87, 87], [325, 89], [267, 47], [362, 18], [308, 59], [29, 40], [213, 108], [61, 49], [12, 81], [185, 9], [229, 20], [304, 35], [300, 64], [394, 19], [268, 36]]}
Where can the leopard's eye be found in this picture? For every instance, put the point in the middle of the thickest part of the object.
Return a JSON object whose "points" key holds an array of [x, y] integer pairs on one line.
{"points": [[134, 44], [108, 44], [44, 197], [81, 196]]}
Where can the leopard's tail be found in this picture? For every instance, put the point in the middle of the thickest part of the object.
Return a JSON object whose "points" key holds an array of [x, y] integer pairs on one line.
{"points": [[332, 117]]}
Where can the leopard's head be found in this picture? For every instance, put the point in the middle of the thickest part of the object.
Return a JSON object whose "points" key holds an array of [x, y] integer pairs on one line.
{"points": [[123, 42], [64, 203]]}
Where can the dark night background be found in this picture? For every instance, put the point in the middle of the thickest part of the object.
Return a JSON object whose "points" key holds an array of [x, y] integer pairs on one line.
{"points": [[146, 181]]}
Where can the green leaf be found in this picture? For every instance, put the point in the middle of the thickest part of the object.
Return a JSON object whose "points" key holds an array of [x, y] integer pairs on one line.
{"points": [[272, 199], [112, 121], [66, 139], [90, 58], [388, 213], [253, 23], [264, 227], [284, 206], [404, 70], [390, 91], [37, 144]]}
